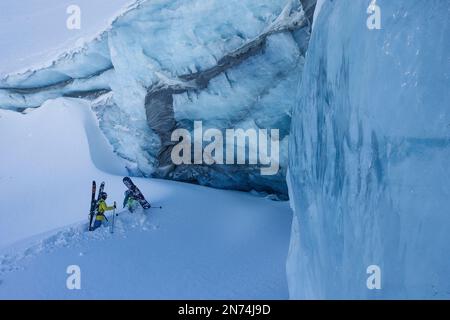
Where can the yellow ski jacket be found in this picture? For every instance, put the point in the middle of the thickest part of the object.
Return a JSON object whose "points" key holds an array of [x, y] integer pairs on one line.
{"points": [[102, 208]]}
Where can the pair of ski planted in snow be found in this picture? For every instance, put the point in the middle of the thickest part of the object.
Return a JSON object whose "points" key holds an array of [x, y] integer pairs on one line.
{"points": [[94, 202]]}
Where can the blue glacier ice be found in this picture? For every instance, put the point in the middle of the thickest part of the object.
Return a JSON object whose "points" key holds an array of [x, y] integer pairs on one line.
{"points": [[369, 150], [164, 64]]}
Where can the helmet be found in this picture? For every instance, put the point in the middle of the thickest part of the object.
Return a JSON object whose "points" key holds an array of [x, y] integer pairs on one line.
{"points": [[103, 195]]}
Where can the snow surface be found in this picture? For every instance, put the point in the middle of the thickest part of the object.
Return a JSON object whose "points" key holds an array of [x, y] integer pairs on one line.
{"points": [[45, 160], [205, 243], [369, 149]]}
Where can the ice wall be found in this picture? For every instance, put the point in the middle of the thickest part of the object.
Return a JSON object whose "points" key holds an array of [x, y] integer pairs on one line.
{"points": [[369, 154]]}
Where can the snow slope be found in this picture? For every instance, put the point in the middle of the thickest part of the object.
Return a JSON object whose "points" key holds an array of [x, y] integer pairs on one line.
{"points": [[45, 163], [205, 243]]}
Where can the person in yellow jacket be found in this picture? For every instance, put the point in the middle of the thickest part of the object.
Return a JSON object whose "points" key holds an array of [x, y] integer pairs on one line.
{"points": [[102, 208]]}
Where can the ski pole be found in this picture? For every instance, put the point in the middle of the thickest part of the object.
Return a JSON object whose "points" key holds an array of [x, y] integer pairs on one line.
{"points": [[114, 218]]}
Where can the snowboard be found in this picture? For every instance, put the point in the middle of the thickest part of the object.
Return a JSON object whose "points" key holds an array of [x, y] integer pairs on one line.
{"points": [[93, 205], [137, 194]]}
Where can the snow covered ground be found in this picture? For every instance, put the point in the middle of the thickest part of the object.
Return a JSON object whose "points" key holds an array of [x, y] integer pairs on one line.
{"points": [[205, 243]]}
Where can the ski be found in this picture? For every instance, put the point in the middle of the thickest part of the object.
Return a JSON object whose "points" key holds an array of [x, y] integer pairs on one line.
{"points": [[137, 194], [93, 204], [113, 220], [100, 191]]}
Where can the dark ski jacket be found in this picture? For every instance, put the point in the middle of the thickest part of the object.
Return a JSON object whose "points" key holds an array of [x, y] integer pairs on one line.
{"points": [[128, 198]]}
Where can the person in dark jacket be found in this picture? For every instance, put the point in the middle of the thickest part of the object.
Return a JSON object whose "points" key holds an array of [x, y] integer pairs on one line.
{"points": [[129, 201]]}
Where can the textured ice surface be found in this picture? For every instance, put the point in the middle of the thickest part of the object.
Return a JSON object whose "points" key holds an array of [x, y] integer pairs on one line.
{"points": [[369, 154], [164, 64]]}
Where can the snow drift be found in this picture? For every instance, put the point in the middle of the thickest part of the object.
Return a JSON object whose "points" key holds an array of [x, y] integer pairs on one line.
{"points": [[204, 243], [48, 157], [369, 148]]}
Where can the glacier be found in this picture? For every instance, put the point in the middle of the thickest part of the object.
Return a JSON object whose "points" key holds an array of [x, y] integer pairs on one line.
{"points": [[161, 65], [363, 113], [369, 177]]}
